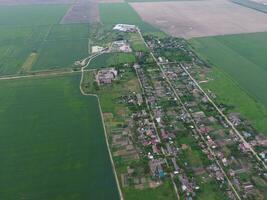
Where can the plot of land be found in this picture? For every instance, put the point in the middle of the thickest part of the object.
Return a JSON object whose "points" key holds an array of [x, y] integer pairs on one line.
{"points": [[83, 11], [52, 143], [243, 58], [202, 18]]}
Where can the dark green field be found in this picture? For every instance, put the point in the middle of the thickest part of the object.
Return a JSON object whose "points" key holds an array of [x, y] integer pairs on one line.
{"points": [[52, 143], [241, 60]]}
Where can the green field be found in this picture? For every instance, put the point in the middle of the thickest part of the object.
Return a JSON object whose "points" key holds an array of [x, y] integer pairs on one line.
{"points": [[35, 29], [29, 15], [241, 63], [122, 13], [52, 143], [111, 59]]}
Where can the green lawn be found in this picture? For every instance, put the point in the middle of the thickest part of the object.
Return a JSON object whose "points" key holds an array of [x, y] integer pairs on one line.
{"points": [[52, 143], [118, 13], [242, 64], [111, 59]]}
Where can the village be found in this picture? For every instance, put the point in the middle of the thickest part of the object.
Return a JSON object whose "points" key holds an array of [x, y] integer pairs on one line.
{"points": [[176, 131]]}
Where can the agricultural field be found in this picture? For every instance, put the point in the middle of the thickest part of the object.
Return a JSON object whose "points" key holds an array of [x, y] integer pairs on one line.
{"points": [[116, 13], [64, 45], [240, 77], [35, 30], [201, 18], [111, 59], [52, 142], [31, 15]]}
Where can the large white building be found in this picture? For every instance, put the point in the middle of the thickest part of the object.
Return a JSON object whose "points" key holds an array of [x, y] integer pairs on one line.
{"points": [[125, 28]]}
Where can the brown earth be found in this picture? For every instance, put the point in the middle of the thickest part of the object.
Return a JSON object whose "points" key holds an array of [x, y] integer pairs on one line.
{"points": [[201, 18], [82, 11]]}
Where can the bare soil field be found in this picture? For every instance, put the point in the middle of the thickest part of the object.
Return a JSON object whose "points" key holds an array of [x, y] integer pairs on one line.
{"points": [[37, 2], [201, 18], [83, 11]]}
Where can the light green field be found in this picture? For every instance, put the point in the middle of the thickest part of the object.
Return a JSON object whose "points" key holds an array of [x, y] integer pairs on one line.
{"points": [[111, 59], [52, 143], [116, 13], [240, 72]]}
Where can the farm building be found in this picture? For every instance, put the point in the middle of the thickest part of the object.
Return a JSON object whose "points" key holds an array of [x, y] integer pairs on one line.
{"points": [[125, 28], [106, 76]]}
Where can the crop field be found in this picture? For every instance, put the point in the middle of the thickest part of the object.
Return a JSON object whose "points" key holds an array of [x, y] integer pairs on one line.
{"points": [[52, 143], [115, 13], [243, 72], [201, 18], [64, 45], [35, 30], [29, 15], [61, 54], [17, 44], [111, 59]]}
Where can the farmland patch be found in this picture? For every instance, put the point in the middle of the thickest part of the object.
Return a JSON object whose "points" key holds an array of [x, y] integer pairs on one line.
{"points": [[52, 142], [201, 18]]}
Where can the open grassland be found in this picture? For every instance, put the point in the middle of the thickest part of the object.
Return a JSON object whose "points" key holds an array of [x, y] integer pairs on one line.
{"points": [[52, 143], [240, 75], [29, 15], [111, 59], [201, 18], [34, 30], [116, 13]]}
